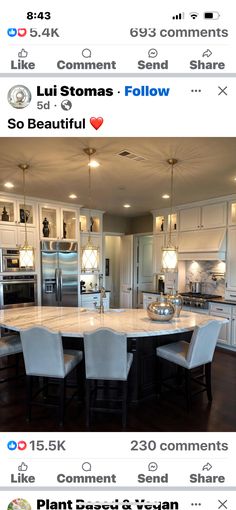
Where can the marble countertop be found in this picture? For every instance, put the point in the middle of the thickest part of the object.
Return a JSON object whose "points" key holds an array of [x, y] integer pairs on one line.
{"points": [[87, 292], [74, 321]]}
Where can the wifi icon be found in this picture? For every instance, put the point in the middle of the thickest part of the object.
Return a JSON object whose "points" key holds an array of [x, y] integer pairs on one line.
{"points": [[193, 15]]}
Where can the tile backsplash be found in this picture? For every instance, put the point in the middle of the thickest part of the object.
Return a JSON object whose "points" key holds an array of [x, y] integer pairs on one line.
{"points": [[210, 273]]}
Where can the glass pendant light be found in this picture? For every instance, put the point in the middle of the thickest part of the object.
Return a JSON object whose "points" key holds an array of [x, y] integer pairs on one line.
{"points": [[26, 251], [170, 252], [89, 252]]}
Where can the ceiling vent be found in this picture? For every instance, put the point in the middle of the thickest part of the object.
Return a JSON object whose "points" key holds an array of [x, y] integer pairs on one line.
{"points": [[130, 155]]}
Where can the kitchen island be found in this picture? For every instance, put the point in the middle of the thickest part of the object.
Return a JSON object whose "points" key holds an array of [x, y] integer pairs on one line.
{"points": [[143, 334]]}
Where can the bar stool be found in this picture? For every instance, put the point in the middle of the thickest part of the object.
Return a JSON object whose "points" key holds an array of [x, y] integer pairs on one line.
{"points": [[106, 359], [44, 357], [199, 352]]}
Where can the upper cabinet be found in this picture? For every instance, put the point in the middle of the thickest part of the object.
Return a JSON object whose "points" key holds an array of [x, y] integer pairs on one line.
{"points": [[90, 221], [232, 213], [58, 222], [162, 223], [207, 216], [14, 212]]}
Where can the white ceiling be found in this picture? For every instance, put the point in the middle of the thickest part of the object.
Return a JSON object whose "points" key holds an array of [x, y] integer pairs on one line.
{"points": [[58, 167]]}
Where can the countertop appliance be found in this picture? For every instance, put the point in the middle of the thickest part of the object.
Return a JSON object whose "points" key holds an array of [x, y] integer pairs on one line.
{"points": [[197, 300], [18, 290], [10, 261], [59, 266]]}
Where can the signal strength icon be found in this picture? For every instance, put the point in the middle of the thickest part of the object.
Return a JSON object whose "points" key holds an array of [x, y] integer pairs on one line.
{"points": [[193, 15], [179, 16]]}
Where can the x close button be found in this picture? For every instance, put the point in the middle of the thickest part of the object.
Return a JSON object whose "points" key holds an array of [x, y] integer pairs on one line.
{"points": [[222, 91], [222, 504]]}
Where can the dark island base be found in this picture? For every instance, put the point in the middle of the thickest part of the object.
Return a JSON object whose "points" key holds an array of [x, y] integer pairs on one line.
{"points": [[143, 374]]}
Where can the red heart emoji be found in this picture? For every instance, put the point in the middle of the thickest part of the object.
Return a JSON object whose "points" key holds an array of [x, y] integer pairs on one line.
{"points": [[22, 32], [96, 122], [22, 445]]}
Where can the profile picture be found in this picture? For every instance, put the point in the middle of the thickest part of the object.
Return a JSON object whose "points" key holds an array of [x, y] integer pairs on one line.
{"points": [[19, 504], [19, 96]]}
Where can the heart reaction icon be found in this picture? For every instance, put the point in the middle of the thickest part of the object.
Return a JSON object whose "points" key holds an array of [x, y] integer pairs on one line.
{"points": [[22, 32], [22, 445], [96, 122]]}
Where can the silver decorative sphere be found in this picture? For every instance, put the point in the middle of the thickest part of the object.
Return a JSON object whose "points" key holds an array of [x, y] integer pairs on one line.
{"points": [[177, 301], [160, 311]]}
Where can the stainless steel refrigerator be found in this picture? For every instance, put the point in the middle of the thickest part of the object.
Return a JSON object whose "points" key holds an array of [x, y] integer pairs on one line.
{"points": [[59, 272]]}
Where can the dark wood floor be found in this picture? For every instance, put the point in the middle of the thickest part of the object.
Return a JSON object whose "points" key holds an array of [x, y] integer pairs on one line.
{"points": [[167, 415]]}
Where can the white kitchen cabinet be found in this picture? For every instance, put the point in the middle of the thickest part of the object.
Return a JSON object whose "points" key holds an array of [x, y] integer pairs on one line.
{"points": [[31, 236], [232, 213], [149, 298], [222, 310], [61, 222], [8, 236], [233, 326], [92, 300], [12, 236], [214, 215], [207, 216], [190, 219], [231, 262]]}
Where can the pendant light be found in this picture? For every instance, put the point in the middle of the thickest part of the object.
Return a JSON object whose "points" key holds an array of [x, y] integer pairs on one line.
{"points": [[26, 251], [90, 253], [170, 252]]}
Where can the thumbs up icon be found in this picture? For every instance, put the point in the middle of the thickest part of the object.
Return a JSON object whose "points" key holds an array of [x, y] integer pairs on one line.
{"points": [[22, 467], [23, 53]]}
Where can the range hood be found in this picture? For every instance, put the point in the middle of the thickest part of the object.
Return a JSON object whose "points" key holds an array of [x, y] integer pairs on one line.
{"points": [[206, 244]]}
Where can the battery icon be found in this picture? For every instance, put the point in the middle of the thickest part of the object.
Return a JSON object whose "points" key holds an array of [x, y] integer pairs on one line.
{"points": [[211, 15]]}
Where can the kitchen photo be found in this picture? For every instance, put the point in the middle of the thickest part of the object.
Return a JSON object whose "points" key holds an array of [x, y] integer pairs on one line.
{"points": [[118, 284]]}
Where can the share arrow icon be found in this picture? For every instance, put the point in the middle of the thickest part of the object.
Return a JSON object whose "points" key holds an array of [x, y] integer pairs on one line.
{"points": [[207, 53], [207, 467]]}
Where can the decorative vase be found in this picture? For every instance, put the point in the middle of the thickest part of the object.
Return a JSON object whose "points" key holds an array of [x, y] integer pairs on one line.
{"points": [[161, 310], [24, 215], [45, 228], [177, 301], [91, 223], [5, 215], [64, 230]]}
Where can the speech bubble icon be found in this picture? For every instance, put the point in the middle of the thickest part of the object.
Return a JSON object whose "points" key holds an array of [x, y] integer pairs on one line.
{"points": [[86, 53], [86, 466], [152, 466]]}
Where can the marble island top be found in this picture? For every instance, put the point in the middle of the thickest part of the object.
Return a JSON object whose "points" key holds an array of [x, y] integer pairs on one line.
{"points": [[74, 321]]}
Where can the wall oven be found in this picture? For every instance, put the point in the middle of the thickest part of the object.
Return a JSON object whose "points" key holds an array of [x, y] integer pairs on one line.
{"points": [[18, 290], [10, 261]]}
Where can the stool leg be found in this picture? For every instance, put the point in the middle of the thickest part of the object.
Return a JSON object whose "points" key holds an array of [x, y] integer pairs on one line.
{"points": [[29, 395], [87, 403], [188, 388], [208, 381], [124, 405], [159, 376], [62, 389]]}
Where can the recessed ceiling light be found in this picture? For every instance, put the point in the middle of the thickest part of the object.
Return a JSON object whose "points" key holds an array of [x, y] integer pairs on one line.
{"points": [[127, 206], [72, 196], [93, 163], [234, 178], [9, 185], [165, 196]]}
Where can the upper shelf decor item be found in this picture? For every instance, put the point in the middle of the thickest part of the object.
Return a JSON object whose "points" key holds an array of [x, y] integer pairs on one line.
{"points": [[89, 252], [46, 228], [170, 252], [5, 215], [26, 251]]}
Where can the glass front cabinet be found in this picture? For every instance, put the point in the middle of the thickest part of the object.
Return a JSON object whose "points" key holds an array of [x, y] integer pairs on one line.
{"points": [[58, 222]]}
